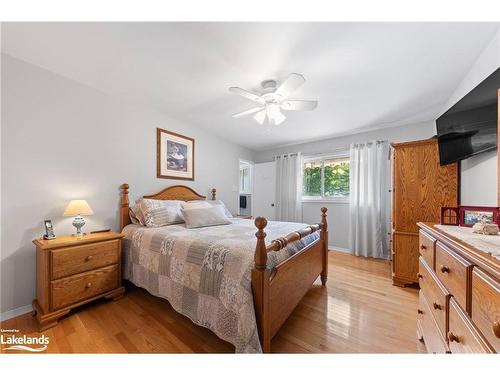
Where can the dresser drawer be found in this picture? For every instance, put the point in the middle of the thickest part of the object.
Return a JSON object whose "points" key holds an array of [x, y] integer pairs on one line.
{"points": [[435, 294], [426, 248], [433, 339], [454, 272], [485, 307], [462, 335], [77, 259], [72, 289]]}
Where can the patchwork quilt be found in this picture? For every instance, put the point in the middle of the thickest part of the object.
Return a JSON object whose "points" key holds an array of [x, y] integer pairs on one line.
{"points": [[205, 273]]}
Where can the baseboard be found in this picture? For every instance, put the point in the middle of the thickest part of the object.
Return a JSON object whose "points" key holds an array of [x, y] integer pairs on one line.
{"points": [[16, 312], [340, 249]]}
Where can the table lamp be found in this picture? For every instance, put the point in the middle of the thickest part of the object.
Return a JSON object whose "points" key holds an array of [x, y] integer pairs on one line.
{"points": [[78, 208]]}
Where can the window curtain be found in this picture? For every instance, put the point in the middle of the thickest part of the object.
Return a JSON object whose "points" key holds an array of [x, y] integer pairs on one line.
{"points": [[288, 205], [369, 202]]}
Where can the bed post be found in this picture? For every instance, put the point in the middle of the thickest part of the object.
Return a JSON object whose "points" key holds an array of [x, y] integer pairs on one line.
{"points": [[324, 244], [260, 286], [124, 206], [214, 191]]}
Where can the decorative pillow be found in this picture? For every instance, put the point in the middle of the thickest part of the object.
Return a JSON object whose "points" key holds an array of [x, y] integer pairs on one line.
{"points": [[201, 204], [135, 215], [158, 213], [205, 217]]}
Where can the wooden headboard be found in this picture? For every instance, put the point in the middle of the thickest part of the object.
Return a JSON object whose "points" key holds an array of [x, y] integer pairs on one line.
{"points": [[174, 192]]}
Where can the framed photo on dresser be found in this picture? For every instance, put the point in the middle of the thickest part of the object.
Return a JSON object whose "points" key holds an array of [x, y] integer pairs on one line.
{"points": [[174, 155]]}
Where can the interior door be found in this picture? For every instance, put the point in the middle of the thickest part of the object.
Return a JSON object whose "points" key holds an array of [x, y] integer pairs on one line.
{"points": [[264, 190]]}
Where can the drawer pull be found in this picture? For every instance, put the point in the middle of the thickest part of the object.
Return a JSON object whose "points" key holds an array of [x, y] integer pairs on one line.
{"points": [[420, 312], [496, 329], [436, 306], [452, 337], [423, 247], [88, 258], [444, 269], [420, 276], [88, 285]]}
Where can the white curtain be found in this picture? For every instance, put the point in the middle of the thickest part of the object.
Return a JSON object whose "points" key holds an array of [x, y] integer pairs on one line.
{"points": [[369, 202], [288, 203]]}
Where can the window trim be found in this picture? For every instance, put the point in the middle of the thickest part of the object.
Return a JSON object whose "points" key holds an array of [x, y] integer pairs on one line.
{"points": [[339, 154]]}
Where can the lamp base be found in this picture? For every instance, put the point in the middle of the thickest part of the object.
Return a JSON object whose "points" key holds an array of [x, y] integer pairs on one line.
{"points": [[78, 223]]}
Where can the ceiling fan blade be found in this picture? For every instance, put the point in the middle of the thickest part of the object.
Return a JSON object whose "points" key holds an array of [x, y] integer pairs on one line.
{"points": [[292, 83], [248, 112], [247, 94], [299, 105], [260, 117]]}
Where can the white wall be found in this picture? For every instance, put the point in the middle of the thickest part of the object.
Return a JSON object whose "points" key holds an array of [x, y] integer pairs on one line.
{"points": [[338, 213], [63, 140], [479, 173]]}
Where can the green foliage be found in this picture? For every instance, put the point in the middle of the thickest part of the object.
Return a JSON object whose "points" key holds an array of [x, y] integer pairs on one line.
{"points": [[336, 180]]}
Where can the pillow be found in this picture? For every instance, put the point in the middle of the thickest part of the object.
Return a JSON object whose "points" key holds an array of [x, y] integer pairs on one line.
{"points": [[158, 213], [195, 204], [205, 217], [135, 215], [202, 204]]}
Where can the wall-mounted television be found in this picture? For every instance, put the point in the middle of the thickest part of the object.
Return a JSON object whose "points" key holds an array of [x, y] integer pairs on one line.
{"points": [[470, 127]]}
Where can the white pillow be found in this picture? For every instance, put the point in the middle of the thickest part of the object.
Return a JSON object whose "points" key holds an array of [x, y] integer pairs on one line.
{"points": [[158, 213], [195, 204], [202, 204], [205, 217]]}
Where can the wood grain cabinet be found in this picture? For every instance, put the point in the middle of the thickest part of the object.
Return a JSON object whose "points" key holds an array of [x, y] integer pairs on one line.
{"points": [[420, 187], [459, 301], [71, 271]]}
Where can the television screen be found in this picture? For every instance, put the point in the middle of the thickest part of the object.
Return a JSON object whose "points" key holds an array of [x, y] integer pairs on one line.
{"points": [[470, 126]]}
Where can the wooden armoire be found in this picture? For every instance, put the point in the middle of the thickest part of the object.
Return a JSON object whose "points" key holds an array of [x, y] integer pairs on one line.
{"points": [[420, 187]]}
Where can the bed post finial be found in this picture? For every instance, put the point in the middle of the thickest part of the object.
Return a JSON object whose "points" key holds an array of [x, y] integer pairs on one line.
{"points": [[260, 250], [324, 242], [124, 206], [214, 191]]}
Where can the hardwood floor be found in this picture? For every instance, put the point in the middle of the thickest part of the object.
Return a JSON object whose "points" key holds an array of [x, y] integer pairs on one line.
{"points": [[359, 311]]}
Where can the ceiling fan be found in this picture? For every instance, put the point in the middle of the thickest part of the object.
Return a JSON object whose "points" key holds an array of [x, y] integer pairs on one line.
{"points": [[274, 99]]}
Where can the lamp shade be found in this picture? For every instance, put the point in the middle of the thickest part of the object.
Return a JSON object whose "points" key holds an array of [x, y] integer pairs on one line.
{"points": [[78, 207]]}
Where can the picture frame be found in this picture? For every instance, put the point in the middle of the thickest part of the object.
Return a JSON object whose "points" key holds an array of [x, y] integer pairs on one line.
{"points": [[467, 216], [174, 155], [470, 215]]}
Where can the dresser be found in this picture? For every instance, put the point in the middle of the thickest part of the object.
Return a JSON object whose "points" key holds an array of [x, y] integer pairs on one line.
{"points": [[459, 298], [72, 271], [420, 187]]}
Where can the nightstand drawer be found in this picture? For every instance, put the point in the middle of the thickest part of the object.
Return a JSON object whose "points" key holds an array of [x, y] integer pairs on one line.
{"points": [[76, 288], [77, 259]]}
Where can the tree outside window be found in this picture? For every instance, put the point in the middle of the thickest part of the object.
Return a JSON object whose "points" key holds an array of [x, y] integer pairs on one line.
{"points": [[326, 178]]}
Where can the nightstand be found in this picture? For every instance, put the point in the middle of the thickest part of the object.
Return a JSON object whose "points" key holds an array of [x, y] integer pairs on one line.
{"points": [[71, 271]]}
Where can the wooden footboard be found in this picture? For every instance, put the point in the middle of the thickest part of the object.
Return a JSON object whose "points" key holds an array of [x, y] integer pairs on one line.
{"points": [[278, 290]]}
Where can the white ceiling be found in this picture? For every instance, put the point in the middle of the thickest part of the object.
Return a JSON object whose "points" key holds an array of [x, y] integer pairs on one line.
{"points": [[365, 75]]}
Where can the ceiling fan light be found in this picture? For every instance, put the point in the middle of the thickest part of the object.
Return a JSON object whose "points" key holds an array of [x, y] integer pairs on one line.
{"points": [[260, 117]]}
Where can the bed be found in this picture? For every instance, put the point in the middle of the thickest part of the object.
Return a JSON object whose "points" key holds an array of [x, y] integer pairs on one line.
{"points": [[228, 278]]}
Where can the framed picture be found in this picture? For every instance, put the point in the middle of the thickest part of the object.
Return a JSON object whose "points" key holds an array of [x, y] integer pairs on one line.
{"points": [[470, 215], [174, 155]]}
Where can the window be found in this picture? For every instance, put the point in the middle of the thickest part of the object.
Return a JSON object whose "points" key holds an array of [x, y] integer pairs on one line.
{"points": [[326, 178]]}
